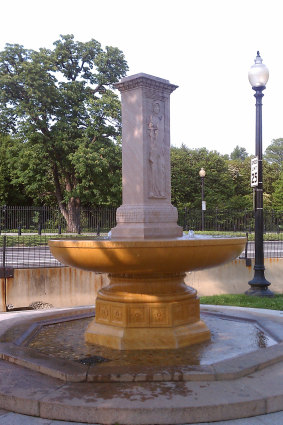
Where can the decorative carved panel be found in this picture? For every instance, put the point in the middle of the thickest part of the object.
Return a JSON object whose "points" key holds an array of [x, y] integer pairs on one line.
{"points": [[137, 316], [102, 312], [159, 316]]}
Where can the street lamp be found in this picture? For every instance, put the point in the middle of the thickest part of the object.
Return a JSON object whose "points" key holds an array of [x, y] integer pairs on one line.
{"points": [[258, 77], [203, 205]]}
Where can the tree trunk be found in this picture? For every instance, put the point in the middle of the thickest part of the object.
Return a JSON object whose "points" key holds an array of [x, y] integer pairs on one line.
{"points": [[72, 211], [73, 215]]}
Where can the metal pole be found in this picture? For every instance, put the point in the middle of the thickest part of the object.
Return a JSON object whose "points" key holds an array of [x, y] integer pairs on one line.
{"points": [[259, 285], [202, 199]]}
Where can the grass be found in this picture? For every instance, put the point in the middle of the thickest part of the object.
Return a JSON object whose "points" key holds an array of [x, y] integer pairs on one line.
{"points": [[268, 236], [241, 300], [35, 240]]}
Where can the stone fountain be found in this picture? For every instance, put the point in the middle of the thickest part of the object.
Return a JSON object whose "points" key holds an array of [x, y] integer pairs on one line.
{"points": [[146, 305]]}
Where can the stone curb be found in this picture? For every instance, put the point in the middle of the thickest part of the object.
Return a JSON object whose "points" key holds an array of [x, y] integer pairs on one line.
{"points": [[71, 371], [141, 403]]}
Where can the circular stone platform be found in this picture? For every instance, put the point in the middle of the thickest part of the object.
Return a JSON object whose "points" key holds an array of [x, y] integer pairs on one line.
{"points": [[245, 385]]}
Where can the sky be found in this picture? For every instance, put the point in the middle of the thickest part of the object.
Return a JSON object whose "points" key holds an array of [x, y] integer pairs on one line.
{"points": [[206, 47]]}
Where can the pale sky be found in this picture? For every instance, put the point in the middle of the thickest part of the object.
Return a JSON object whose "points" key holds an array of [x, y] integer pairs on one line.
{"points": [[206, 47]]}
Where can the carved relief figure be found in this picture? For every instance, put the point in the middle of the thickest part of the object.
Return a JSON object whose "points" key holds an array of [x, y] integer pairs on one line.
{"points": [[157, 172]]}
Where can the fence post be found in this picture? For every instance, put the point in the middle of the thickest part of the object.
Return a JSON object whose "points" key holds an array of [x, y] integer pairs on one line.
{"points": [[248, 260], [4, 252], [59, 229], [39, 229], [20, 230]]}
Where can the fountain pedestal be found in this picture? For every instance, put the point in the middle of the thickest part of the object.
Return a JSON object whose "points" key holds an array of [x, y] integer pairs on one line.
{"points": [[147, 304], [154, 311]]}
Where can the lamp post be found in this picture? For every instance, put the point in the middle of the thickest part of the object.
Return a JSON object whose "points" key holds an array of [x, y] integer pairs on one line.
{"points": [[258, 77], [203, 205]]}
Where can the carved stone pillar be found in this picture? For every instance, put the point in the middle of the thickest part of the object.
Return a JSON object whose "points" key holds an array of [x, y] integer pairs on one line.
{"points": [[146, 211]]}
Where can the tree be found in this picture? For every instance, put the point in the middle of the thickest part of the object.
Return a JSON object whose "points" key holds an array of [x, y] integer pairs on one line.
{"points": [[240, 171], [11, 192], [278, 193], [274, 153], [186, 183], [239, 153], [65, 117]]}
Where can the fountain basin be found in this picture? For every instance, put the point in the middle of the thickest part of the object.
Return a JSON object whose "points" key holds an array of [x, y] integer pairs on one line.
{"points": [[146, 256], [147, 305]]}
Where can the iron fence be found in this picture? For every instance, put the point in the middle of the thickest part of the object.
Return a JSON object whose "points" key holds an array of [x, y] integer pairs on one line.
{"points": [[29, 219], [229, 220], [25, 252], [19, 250]]}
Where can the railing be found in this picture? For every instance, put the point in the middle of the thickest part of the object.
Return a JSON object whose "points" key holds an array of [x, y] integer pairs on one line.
{"points": [[40, 220], [46, 219], [229, 220], [22, 244]]}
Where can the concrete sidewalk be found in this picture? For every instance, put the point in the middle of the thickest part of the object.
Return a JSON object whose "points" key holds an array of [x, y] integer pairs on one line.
{"points": [[9, 418]]}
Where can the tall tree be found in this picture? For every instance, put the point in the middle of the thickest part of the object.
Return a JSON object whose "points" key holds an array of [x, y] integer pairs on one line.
{"points": [[278, 193], [239, 153], [11, 192], [65, 116], [186, 183], [274, 153]]}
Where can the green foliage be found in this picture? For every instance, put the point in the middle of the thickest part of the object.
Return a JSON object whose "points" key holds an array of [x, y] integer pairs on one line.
{"points": [[186, 183], [239, 153], [60, 106], [241, 300], [227, 181], [241, 197], [11, 192], [278, 193], [274, 153]]}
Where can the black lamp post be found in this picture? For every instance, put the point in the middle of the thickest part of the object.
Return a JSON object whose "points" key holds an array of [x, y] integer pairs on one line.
{"points": [[258, 77], [203, 206]]}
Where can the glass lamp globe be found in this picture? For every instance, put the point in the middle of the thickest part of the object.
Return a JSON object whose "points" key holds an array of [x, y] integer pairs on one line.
{"points": [[202, 172], [258, 73]]}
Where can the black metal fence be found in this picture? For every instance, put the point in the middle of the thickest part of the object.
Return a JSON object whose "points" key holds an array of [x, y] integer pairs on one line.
{"points": [[229, 220], [46, 219], [17, 252], [14, 219], [22, 244]]}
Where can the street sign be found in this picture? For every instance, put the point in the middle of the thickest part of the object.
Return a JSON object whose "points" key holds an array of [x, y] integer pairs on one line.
{"points": [[203, 205], [254, 172]]}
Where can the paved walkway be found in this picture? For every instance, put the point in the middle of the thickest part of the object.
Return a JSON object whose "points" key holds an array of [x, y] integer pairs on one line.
{"points": [[9, 418]]}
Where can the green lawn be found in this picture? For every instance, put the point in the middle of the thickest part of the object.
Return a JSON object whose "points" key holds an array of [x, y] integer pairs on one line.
{"points": [[241, 300]]}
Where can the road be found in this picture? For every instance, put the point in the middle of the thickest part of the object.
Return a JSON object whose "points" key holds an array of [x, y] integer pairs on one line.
{"points": [[272, 249], [24, 257]]}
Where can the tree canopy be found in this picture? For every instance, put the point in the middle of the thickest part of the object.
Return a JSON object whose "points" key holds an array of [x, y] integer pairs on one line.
{"points": [[60, 137], [60, 108], [239, 153], [274, 153]]}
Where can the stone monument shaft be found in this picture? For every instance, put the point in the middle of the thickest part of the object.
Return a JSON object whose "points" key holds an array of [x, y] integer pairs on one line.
{"points": [[146, 211]]}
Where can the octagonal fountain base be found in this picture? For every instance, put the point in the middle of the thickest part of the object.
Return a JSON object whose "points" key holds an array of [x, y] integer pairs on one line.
{"points": [[147, 305], [147, 312]]}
